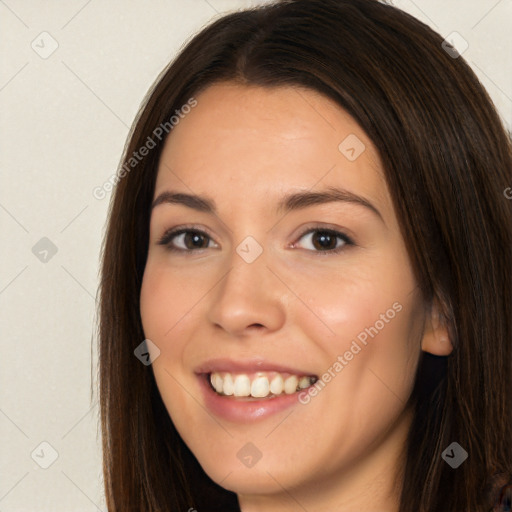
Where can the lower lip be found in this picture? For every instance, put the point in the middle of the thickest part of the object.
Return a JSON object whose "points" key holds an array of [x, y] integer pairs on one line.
{"points": [[243, 411]]}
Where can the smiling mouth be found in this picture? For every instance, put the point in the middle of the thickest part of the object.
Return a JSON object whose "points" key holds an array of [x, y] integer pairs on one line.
{"points": [[258, 385]]}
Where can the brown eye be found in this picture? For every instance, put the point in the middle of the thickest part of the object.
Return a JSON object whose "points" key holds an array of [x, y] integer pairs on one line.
{"points": [[185, 240], [326, 240]]}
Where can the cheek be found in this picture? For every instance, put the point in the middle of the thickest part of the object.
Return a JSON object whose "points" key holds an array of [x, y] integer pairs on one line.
{"points": [[369, 368], [155, 294], [374, 360], [165, 300], [166, 307], [339, 307], [368, 328]]}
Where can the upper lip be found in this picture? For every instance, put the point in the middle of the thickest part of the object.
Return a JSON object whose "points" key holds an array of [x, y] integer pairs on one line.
{"points": [[246, 366]]}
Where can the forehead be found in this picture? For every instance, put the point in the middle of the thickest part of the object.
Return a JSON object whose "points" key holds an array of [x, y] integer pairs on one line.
{"points": [[259, 142]]}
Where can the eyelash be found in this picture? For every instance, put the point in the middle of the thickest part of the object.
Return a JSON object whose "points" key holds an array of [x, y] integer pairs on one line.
{"points": [[169, 235]]}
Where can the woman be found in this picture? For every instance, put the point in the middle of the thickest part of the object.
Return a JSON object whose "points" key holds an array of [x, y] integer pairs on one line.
{"points": [[310, 242]]}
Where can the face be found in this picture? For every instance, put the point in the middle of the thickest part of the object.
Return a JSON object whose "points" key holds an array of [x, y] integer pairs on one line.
{"points": [[275, 259]]}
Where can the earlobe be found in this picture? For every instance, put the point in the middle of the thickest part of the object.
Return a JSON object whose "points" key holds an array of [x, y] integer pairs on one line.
{"points": [[436, 337]]}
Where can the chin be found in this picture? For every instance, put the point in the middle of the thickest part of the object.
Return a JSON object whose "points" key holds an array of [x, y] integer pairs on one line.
{"points": [[265, 477]]}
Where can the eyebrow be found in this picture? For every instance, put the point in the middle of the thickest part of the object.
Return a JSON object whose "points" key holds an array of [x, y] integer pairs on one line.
{"points": [[290, 202]]}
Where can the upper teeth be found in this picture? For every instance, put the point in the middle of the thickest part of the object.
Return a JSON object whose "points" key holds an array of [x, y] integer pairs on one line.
{"points": [[261, 385]]}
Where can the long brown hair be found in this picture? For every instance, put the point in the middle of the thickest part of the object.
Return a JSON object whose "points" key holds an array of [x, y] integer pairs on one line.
{"points": [[447, 161]]}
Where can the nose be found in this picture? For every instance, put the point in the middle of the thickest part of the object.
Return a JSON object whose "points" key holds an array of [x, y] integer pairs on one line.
{"points": [[249, 298]]}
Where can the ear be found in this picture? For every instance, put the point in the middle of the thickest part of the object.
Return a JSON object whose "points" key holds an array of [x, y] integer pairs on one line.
{"points": [[436, 337]]}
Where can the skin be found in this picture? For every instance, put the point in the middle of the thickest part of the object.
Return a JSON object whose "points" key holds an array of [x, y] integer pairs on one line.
{"points": [[246, 147]]}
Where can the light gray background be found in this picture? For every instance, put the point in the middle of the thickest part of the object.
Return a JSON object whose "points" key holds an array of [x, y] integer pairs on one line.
{"points": [[63, 124]]}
